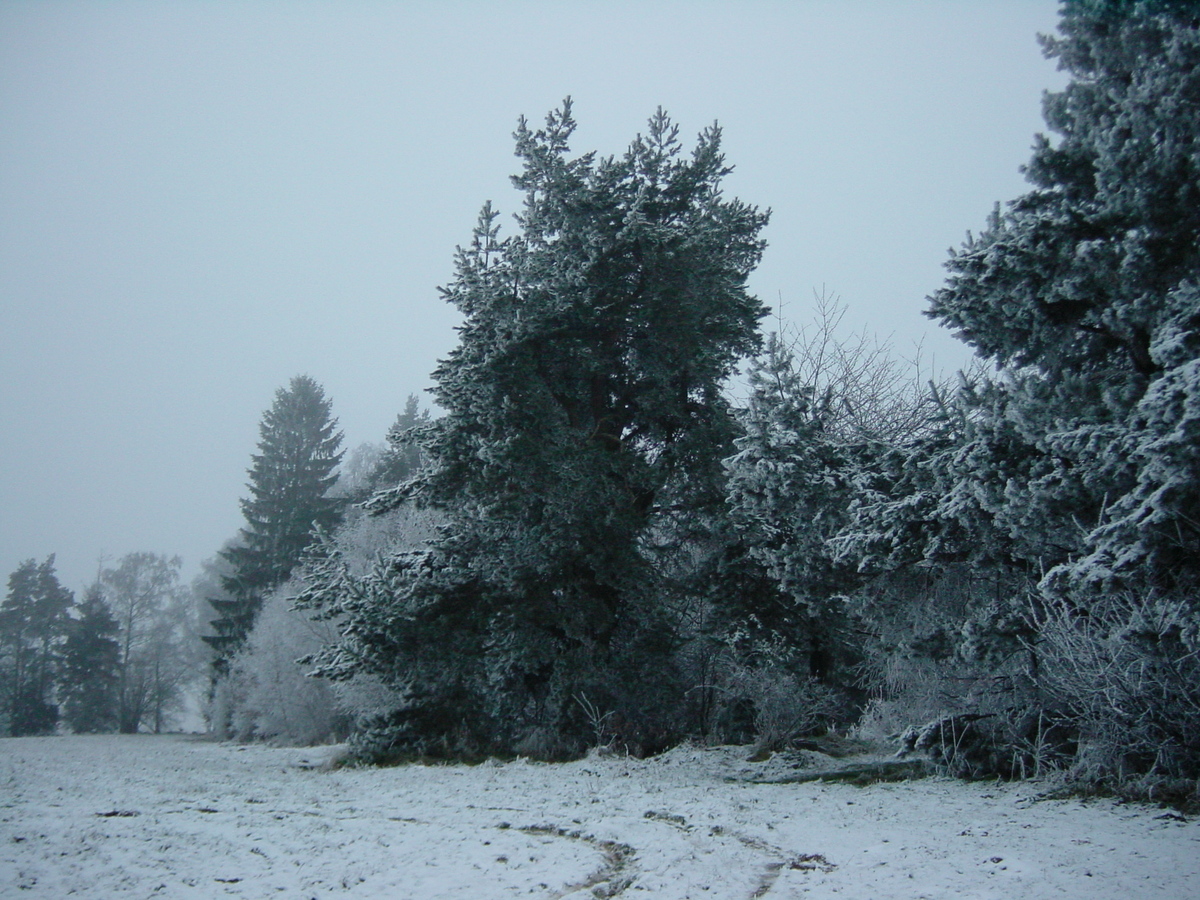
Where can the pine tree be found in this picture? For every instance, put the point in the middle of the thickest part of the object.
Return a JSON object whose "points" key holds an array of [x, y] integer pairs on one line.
{"points": [[290, 482], [1075, 477], [584, 420], [90, 670], [1085, 293], [33, 618]]}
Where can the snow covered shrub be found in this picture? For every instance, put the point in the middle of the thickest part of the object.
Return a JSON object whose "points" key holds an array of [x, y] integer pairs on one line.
{"points": [[915, 691], [953, 673], [785, 705], [270, 694], [1128, 671], [1012, 743], [763, 693]]}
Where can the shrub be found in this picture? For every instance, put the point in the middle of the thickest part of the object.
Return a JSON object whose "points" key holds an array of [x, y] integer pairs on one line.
{"points": [[1128, 672]]}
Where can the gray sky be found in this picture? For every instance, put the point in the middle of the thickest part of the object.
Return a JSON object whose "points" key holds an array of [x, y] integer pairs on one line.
{"points": [[199, 200]]}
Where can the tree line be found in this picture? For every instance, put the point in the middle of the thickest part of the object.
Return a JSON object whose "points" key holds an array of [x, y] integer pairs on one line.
{"points": [[594, 544], [118, 659], [140, 647]]}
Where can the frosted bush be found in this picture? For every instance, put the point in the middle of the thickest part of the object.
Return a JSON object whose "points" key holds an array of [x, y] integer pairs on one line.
{"points": [[785, 705], [269, 693], [1129, 673]]}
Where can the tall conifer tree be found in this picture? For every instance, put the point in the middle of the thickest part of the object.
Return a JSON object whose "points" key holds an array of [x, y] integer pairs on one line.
{"points": [[290, 481], [90, 672], [584, 418], [1068, 478], [33, 619], [1086, 293]]}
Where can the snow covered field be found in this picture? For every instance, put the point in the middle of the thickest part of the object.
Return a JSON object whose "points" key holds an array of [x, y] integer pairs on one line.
{"points": [[173, 816]]}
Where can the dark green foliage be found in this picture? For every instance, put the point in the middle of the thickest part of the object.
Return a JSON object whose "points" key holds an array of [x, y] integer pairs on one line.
{"points": [[289, 501], [33, 620], [583, 417], [1068, 480], [1085, 292], [89, 677]]}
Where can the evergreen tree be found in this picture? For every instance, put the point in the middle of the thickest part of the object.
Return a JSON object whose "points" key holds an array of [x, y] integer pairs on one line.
{"points": [[1085, 293], [584, 421], [33, 618], [90, 671], [290, 482], [789, 488], [1069, 477], [403, 457], [825, 417]]}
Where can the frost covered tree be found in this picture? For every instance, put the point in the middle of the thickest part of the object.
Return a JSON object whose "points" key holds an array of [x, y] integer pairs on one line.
{"points": [[33, 621], [157, 660], [402, 459], [269, 694], [1070, 479], [89, 677], [1085, 293], [824, 411], [290, 486], [584, 418]]}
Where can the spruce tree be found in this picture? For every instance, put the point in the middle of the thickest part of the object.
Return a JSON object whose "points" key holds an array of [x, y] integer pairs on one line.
{"points": [[33, 619], [1085, 292], [90, 670], [290, 482], [402, 459], [584, 422]]}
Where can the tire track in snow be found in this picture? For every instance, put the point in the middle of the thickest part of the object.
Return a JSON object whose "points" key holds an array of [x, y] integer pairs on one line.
{"points": [[611, 879], [804, 862]]}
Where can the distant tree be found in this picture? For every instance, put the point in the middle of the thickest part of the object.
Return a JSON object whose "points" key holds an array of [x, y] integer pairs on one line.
{"points": [[357, 471], [151, 608], [584, 422], [90, 675], [403, 457], [33, 620], [291, 479]]}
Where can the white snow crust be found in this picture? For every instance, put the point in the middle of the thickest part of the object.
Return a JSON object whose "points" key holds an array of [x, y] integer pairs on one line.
{"points": [[180, 817]]}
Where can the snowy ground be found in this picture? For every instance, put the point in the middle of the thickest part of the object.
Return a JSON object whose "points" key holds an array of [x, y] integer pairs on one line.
{"points": [[167, 817]]}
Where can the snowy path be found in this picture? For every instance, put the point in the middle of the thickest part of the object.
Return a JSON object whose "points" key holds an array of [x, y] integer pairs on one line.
{"points": [[173, 817]]}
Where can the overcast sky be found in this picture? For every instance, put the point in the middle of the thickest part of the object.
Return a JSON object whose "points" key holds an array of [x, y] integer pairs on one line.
{"points": [[199, 200]]}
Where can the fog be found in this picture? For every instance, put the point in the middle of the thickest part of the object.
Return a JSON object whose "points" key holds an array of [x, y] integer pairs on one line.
{"points": [[200, 200]]}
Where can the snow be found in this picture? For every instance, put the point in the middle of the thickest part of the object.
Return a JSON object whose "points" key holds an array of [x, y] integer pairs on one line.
{"points": [[180, 817]]}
